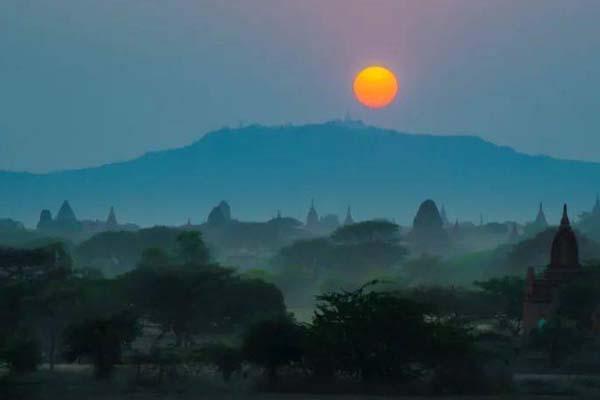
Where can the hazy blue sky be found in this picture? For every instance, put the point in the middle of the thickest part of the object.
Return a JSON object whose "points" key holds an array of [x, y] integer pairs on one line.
{"points": [[85, 82]]}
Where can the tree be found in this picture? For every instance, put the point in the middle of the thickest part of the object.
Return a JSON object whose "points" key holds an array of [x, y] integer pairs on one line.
{"points": [[191, 248], [273, 344], [21, 351], [371, 335], [227, 359], [367, 231], [199, 299], [101, 339], [507, 296], [48, 262], [154, 257], [122, 250], [30, 305], [343, 260], [54, 308]]}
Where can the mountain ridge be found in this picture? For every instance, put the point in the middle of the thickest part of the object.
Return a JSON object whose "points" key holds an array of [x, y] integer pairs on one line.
{"points": [[380, 172]]}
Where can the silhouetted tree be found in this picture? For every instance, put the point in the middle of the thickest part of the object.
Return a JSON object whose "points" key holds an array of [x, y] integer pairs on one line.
{"points": [[367, 231], [227, 359], [154, 257], [507, 296], [102, 340], [370, 335], [21, 351], [191, 249], [199, 299], [273, 344]]}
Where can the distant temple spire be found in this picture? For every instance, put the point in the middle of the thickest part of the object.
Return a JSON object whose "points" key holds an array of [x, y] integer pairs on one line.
{"points": [[564, 246], [348, 220], [540, 219], [564, 221], [278, 214], [111, 221], [312, 219], [65, 213], [542, 292]]}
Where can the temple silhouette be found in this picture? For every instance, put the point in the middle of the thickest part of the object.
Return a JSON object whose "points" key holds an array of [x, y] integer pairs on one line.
{"points": [[541, 300]]}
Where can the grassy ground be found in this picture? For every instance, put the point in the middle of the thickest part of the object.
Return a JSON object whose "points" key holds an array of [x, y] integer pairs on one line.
{"points": [[75, 382]]}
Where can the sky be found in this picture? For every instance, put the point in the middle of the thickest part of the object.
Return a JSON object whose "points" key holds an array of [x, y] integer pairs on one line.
{"points": [[85, 82]]}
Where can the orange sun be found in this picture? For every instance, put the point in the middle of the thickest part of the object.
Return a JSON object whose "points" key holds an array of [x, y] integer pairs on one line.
{"points": [[375, 87]]}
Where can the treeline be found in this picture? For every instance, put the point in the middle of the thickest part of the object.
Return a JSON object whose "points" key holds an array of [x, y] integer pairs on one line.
{"points": [[179, 312], [78, 315], [178, 309]]}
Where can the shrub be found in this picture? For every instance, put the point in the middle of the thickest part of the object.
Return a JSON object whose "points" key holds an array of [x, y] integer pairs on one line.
{"points": [[22, 353]]}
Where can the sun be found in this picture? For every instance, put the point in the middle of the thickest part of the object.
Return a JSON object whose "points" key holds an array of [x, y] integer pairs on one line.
{"points": [[375, 87]]}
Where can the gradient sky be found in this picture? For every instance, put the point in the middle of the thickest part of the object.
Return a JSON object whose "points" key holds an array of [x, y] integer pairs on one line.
{"points": [[87, 82]]}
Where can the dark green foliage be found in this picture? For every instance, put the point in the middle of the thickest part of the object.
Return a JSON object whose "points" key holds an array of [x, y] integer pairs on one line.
{"points": [[160, 364], [48, 262], [273, 344], [12, 306], [52, 308], [154, 257], [452, 356], [199, 299], [122, 250], [370, 335], [121, 245], [383, 337], [352, 252], [580, 300], [191, 249], [454, 303], [102, 340], [343, 261], [21, 351], [367, 231], [557, 338], [508, 290], [227, 359], [506, 295]]}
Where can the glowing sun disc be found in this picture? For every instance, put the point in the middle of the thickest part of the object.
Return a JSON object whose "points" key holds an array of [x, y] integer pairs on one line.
{"points": [[375, 87]]}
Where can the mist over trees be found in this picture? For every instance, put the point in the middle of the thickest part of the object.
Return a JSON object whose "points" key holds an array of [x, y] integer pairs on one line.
{"points": [[285, 305]]}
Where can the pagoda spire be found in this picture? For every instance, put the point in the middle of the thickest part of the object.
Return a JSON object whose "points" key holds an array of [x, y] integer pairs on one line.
{"points": [[540, 219], [564, 221], [312, 219], [349, 220], [111, 221]]}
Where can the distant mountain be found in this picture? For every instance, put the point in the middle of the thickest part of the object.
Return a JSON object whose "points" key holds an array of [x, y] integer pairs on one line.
{"points": [[258, 170]]}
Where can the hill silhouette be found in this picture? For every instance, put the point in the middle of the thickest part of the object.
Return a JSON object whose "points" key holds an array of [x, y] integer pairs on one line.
{"points": [[258, 170]]}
